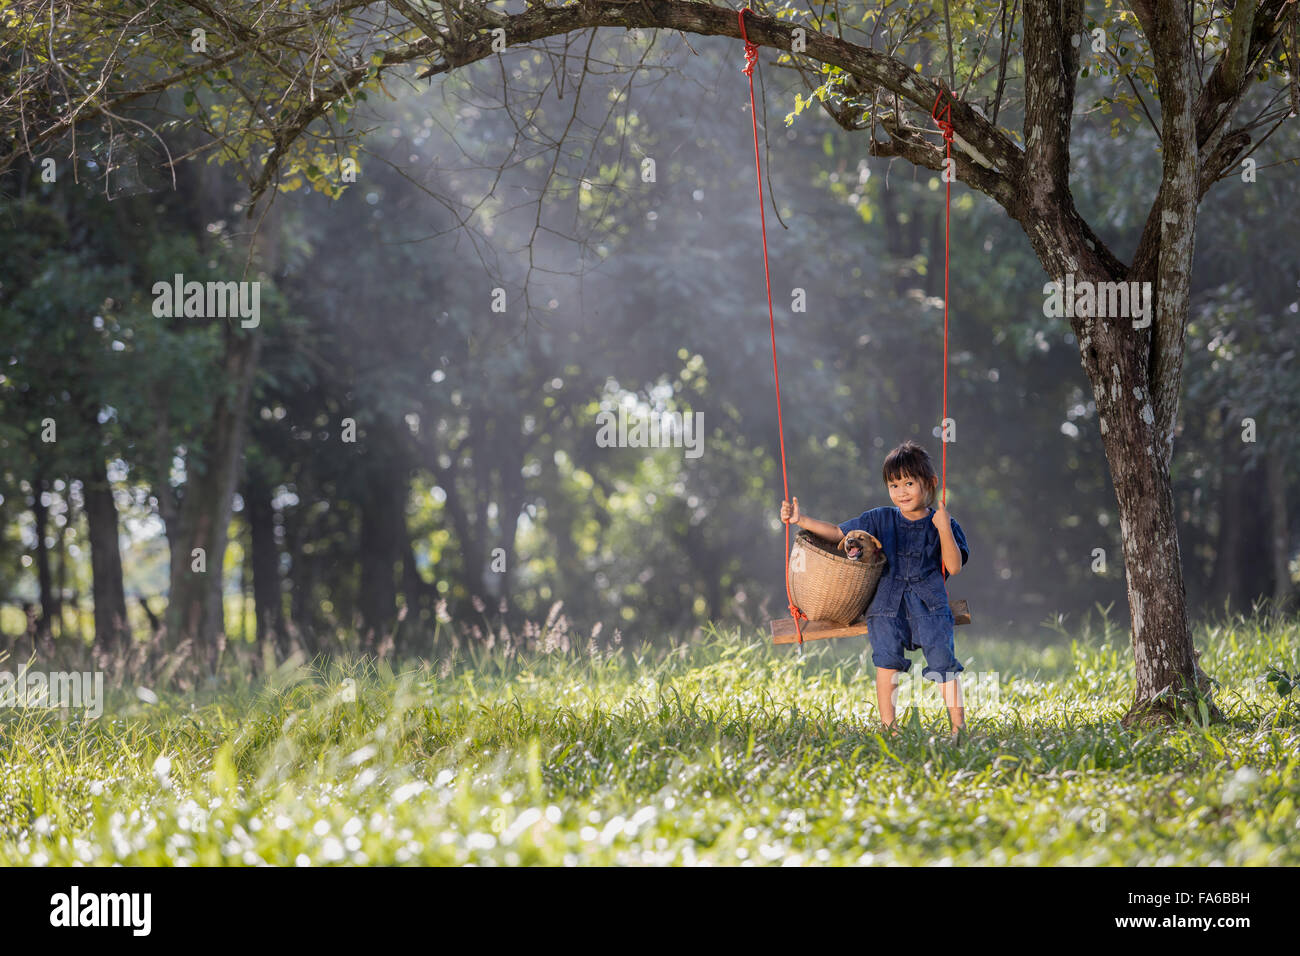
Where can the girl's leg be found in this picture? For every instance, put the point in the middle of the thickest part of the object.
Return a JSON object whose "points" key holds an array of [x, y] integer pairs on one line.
{"points": [[953, 700], [886, 691], [889, 636]]}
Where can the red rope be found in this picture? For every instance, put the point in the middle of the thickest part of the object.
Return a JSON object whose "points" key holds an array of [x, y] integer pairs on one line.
{"points": [[943, 118], [751, 57]]}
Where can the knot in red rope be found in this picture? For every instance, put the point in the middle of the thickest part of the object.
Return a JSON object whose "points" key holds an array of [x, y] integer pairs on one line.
{"points": [[751, 49], [943, 117]]}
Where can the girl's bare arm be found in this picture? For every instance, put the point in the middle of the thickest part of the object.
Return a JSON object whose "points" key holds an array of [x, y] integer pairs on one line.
{"points": [[823, 529]]}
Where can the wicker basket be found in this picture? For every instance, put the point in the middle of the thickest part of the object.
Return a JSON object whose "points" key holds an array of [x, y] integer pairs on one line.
{"points": [[828, 586]]}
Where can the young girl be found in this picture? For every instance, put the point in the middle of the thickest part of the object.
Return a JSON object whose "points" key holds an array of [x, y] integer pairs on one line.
{"points": [[910, 609]]}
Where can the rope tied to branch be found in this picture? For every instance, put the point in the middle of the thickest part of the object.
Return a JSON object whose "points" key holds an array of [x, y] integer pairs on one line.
{"points": [[943, 119], [751, 57], [751, 49]]}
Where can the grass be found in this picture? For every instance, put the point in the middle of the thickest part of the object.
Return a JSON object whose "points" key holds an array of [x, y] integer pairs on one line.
{"points": [[724, 751]]}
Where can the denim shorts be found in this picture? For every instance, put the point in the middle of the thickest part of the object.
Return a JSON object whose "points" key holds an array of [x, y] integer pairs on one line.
{"points": [[915, 626]]}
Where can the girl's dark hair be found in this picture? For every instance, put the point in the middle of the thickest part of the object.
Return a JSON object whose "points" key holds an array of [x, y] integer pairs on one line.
{"points": [[911, 460]]}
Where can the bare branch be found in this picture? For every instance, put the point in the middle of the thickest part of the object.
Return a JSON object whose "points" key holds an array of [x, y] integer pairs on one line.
{"points": [[873, 70]]}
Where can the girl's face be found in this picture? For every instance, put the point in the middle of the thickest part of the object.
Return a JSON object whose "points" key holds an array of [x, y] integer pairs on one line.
{"points": [[909, 494]]}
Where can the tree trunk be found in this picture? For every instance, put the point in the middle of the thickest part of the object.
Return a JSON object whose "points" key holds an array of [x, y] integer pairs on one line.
{"points": [[415, 589], [1162, 645], [1114, 356], [194, 605], [109, 596], [268, 598], [60, 585], [305, 608], [41, 517], [1144, 406], [300, 578], [512, 503], [378, 597], [246, 591], [1135, 372], [383, 536], [1279, 536], [1227, 592], [469, 574]]}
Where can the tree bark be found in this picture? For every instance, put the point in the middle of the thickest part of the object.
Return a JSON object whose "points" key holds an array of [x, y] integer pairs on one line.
{"points": [[383, 536], [1227, 552], [41, 519], [472, 561], [513, 495], [1279, 536], [268, 598], [194, 605], [1140, 405], [415, 594], [108, 594], [61, 583]]}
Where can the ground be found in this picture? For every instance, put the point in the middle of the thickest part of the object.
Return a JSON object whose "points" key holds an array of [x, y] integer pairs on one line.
{"points": [[726, 751]]}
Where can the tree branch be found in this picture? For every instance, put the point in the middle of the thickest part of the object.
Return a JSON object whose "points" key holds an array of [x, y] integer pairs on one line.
{"points": [[909, 143], [1167, 27], [1051, 67], [1201, 148], [1215, 108], [873, 70]]}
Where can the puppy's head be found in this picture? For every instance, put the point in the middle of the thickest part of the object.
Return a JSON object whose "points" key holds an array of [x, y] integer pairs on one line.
{"points": [[858, 545]]}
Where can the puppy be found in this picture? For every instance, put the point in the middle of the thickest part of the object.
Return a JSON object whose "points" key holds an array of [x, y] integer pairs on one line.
{"points": [[858, 545]]}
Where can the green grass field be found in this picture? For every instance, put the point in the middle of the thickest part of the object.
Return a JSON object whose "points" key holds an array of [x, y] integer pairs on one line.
{"points": [[727, 751]]}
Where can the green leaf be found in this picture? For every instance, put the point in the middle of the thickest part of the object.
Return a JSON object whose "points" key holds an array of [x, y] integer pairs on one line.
{"points": [[1283, 682]]}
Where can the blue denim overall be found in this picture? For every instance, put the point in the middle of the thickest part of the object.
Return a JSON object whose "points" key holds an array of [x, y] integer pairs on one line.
{"points": [[910, 609]]}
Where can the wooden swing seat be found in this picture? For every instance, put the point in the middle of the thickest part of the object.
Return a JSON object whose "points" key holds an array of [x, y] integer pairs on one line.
{"points": [[783, 630]]}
